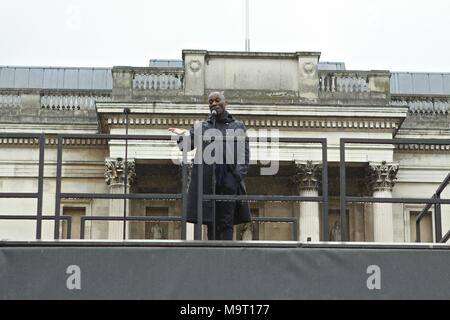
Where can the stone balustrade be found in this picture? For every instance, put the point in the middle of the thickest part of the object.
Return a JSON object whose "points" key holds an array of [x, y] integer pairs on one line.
{"points": [[71, 101], [10, 99], [158, 79], [423, 104], [344, 81]]}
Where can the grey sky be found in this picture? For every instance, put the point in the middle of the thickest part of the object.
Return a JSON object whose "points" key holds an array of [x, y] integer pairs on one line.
{"points": [[398, 35]]}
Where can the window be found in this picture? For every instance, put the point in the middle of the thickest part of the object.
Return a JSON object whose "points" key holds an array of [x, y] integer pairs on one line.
{"points": [[75, 213], [157, 229], [249, 231], [426, 226]]}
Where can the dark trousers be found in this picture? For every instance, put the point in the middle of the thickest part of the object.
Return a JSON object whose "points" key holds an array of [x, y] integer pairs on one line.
{"points": [[224, 217]]}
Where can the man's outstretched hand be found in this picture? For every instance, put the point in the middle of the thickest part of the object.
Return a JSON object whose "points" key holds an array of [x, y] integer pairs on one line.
{"points": [[178, 131]]}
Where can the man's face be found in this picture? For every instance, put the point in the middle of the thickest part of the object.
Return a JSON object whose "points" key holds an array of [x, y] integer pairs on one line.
{"points": [[216, 102]]}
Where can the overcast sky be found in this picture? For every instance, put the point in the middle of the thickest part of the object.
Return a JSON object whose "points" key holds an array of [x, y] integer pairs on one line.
{"points": [[397, 35]]}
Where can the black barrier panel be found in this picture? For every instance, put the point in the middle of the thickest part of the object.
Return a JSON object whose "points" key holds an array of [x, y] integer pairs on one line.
{"points": [[173, 271], [40, 137], [436, 200]]}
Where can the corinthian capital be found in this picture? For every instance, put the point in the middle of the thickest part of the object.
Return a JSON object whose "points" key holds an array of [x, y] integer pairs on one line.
{"points": [[115, 171], [382, 176], [307, 175]]}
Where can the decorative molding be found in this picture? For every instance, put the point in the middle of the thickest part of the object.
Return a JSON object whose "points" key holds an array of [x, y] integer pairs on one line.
{"points": [[158, 78], [54, 141], [71, 102], [12, 100], [195, 65], [421, 147], [307, 175], [381, 177], [284, 123], [115, 171], [289, 111], [309, 67], [423, 104], [344, 81]]}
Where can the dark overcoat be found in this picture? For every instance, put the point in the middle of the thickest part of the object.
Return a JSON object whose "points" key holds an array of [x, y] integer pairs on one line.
{"points": [[234, 173]]}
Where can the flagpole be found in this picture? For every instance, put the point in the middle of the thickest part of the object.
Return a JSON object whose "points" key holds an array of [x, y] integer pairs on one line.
{"points": [[247, 28]]}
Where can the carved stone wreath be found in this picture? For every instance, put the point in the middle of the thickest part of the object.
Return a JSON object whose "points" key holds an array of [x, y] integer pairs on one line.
{"points": [[195, 65]]}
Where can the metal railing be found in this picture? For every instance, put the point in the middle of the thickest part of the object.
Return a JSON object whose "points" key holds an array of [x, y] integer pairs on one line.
{"points": [[213, 197], [437, 214], [124, 219], [30, 195], [344, 199], [24, 217], [292, 221], [124, 196], [183, 196]]}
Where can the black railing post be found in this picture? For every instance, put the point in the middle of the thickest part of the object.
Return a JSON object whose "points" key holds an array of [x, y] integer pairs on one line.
{"points": [[58, 186], [40, 187], [343, 195], [69, 226], [126, 111], [418, 230], [295, 230], [198, 227], [82, 226], [437, 220], [325, 190], [184, 189]]}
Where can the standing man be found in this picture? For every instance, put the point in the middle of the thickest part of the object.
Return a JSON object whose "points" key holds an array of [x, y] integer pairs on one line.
{"points": [[230, 171]]}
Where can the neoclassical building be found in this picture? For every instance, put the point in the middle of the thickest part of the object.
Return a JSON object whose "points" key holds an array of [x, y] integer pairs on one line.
{"points": [[285, 94]]}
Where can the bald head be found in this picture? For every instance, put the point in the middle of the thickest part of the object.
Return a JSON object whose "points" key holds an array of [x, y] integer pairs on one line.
{"points": [[216, 101], [216, 94]]}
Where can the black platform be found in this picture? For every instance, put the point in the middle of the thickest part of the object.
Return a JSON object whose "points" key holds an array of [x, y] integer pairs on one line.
{"points": [[222, 270]]}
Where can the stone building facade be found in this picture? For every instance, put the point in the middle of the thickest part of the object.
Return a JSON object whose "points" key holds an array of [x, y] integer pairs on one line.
{"points": [[289, 94]]}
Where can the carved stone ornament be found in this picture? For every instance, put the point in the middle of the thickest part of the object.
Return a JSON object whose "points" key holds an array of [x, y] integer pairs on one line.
{"points": [[195, 65], [382, 176], [309, 67], [307, 175], [115, 171]]}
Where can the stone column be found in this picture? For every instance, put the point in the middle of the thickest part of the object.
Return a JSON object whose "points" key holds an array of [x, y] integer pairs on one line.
{"points": [[307, 179], [115, 178], [381, 180]]}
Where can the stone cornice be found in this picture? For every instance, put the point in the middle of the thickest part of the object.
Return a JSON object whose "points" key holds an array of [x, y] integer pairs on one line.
{"points": [[241, 54], [257, 110], [54, 141], [369, 124], [51, 130], [424, 148]]}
